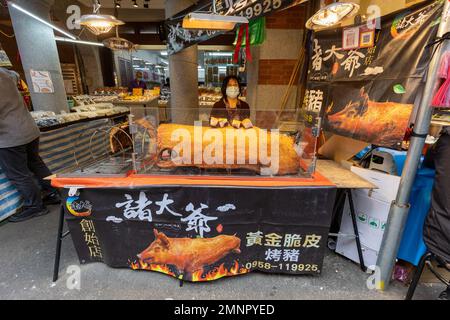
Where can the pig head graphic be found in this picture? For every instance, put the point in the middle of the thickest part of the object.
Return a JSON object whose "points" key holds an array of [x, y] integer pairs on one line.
{"points": [[186, 254]]}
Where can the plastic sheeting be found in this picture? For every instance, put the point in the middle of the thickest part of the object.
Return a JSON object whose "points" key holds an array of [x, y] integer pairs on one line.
{"points": [[412, 247]]}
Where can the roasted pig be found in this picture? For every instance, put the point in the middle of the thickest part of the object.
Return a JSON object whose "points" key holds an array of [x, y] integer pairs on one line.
{"points": [[186, 254], [379, 123], [262, 151]]}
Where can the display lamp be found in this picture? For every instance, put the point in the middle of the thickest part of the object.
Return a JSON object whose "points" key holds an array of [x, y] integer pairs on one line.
{"points": [[332, 15], [99, 23], [211, 20], [118, 44]]}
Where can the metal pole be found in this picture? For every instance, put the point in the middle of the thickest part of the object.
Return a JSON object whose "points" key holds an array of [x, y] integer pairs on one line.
{"points": [[399, 209]]}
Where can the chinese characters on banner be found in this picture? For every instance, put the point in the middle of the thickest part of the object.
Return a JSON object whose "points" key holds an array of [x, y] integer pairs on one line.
{"points": [[91, 239], [193, 232], [282, 248], [195, 221], [179, 38], [353, 89]]}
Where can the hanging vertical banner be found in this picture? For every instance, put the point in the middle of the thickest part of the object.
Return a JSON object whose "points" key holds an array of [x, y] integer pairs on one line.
{"points": [[179, 38], [364, 82]]}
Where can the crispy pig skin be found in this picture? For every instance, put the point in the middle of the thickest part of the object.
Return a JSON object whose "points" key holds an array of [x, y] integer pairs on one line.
{"points": [[289, 162], [384, 123]]}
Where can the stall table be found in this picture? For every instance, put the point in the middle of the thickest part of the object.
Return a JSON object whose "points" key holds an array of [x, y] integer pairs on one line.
{"points": [[62, 147], [346, 181], [217, 225], [273, 225], [149, 103]]}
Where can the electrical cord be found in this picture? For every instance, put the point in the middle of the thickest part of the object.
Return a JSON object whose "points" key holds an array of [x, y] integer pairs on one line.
{"points": [[7, 35], [437, 43]]}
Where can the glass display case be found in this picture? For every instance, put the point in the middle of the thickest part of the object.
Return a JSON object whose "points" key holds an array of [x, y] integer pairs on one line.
{"points": [[201, 142], [209, 142]]}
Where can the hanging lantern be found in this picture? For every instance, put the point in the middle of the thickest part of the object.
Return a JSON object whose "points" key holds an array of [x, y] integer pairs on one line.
{"points": [[117, 44], [332, 15]]}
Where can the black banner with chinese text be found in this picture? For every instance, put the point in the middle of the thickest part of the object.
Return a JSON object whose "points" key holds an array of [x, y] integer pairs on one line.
{"points": [[202, 234], [179, 38], [364, 81]]}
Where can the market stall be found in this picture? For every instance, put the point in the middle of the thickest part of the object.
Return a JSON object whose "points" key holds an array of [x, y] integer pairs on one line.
{"points": [[219, 197], [204, 220], [66, 143]]}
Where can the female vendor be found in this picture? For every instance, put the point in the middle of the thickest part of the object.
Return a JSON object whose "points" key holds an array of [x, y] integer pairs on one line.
{"points": [[230, 110]]}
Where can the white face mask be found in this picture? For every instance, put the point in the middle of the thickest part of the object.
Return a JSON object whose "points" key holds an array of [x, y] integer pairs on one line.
{"points": [[232, 92]]}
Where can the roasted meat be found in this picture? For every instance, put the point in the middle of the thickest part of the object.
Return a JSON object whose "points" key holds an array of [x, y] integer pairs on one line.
{"points": [[380, 123], [262, 151], [186, 254]]}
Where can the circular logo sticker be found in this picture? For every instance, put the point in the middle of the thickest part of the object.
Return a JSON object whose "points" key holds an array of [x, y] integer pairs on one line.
{"points": [[78, 208]]}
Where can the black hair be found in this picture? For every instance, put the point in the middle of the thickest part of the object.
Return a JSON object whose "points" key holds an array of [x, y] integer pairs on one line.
{"points": [[225, 85]]}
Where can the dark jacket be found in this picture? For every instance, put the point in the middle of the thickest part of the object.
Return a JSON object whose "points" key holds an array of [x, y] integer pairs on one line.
{"points": [[220, 110], [437, 225], [137, 84]]}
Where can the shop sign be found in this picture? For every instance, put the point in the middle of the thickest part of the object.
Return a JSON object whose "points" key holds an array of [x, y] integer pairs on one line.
{"points": [[355, 74], [179, 38], [203, 234]]}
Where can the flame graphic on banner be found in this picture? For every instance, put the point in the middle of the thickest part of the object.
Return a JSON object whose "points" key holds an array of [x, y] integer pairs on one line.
{"points": [[140, 265], [199, 276], [219, 272]]}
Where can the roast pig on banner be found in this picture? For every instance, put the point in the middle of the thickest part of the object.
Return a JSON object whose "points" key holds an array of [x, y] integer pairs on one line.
{"points": [[186, 254]]}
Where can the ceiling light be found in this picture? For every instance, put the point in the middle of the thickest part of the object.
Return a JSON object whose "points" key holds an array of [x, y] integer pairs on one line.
{"points": [[206, 21], [99, 23], [221, 54], [135, 4], [62, 39], [211, 20], [332, 15], [117, 4], [117, 43], [28, 13]]}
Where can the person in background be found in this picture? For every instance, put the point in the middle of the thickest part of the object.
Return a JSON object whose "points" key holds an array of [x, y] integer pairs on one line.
{"points": [[230, 110], [19, 151], [436, 232], [138, 82]]}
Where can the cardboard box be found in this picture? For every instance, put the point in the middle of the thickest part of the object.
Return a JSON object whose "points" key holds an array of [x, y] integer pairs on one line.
{"points": [[372, 212], [387, 184], [347, 248], [371, 217]]}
